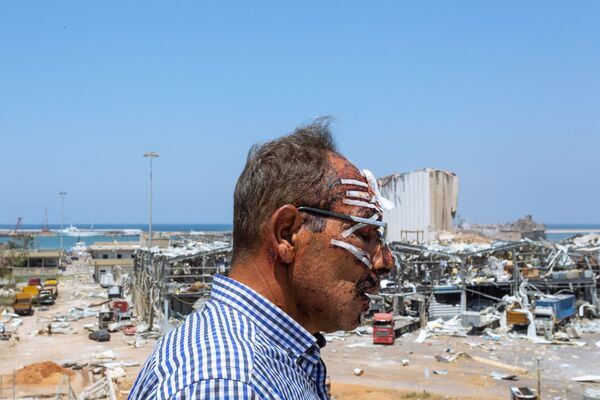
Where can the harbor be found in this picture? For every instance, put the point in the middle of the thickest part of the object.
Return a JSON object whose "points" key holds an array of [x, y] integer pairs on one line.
{"points": [[447, 352], [300, 200], [471, 311]]}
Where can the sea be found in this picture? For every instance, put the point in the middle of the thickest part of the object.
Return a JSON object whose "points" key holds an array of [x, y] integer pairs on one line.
{"points": [[557, 237], [42, 242], [53, 242]]}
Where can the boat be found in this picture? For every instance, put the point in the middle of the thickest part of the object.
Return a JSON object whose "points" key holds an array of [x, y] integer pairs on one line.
{"points": [[80, 249], [76, 232], [131, 232]]}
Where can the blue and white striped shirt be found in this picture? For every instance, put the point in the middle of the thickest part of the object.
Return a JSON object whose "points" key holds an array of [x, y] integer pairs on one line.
{"points": [[240, 346]]}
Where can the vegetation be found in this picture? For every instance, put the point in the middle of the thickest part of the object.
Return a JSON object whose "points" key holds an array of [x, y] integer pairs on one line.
{"points": [[17, 247], [21, 241]]}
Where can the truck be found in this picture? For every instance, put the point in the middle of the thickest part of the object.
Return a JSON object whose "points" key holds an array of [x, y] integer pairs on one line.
{"points": [[34, 282], [553, 310], [23, 304], [114, 292], [52, 283], [383, 328], [33, 291], [52, 289], [105, 317], [46, 297], [119, 306]]}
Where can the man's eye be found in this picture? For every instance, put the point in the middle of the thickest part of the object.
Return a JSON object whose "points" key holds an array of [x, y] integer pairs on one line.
{"points": [[364, 235]]}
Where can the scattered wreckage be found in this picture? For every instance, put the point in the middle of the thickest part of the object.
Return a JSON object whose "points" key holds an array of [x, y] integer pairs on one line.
{"points": [[523, 282], [171, 283]]}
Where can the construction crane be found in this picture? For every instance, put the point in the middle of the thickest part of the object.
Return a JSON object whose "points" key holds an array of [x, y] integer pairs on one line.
{"points": [[45, 227], [19, 226]]}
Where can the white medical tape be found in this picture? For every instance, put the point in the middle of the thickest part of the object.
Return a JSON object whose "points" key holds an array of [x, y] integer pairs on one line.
{"points": [[354, 182], [355, 251], [360, 203], [358, 194], [367, 220], [383, 202], [351, 230]]}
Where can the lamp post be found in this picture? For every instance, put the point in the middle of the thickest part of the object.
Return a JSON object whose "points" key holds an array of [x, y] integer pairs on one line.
{"points": [[150, 155], [62, 218]]}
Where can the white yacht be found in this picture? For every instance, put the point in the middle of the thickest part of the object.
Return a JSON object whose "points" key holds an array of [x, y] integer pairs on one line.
{"points": [[76, 232]]}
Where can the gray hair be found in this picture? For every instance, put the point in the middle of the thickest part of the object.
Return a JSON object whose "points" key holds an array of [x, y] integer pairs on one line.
{"points": [[293, 169]]}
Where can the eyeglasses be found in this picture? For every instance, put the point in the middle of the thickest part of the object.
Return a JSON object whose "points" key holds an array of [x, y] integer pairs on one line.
{"points": [[346, 217]]}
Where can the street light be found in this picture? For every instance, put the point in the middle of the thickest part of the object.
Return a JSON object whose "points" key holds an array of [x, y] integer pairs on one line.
{"points": [[150, 155], [62, 217]]}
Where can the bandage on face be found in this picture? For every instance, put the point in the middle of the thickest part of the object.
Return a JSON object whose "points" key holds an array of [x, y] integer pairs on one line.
{"points": [[359, 194]]}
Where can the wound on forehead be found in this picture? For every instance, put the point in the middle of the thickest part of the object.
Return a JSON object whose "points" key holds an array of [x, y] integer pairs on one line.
{"points": [[359, 194]]}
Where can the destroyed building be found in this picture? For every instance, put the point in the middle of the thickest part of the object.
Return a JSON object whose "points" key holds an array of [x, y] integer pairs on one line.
{"points": [[172, 282], [425, 202], [454, 279], [524, 228]]}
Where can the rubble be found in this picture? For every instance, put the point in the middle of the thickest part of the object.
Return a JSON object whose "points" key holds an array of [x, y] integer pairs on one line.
{"points": [[503, 376], [101, 389], [446, 359], [107, 355], [180, 276], [587, 378], [100, 335], [474, 302]]}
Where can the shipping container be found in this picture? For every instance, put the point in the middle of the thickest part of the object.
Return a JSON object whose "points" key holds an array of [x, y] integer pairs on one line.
{"points": [[563, 305]]}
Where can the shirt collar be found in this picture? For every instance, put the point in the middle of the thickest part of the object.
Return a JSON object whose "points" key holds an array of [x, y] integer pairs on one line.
{"points": [[279, 327]]}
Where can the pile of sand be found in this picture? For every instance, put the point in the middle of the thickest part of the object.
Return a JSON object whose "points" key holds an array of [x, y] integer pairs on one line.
{"points": [[42, 373]]}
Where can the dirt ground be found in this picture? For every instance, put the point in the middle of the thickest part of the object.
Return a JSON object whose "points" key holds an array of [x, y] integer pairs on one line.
{"points": [[76, 289], [384, 376]]}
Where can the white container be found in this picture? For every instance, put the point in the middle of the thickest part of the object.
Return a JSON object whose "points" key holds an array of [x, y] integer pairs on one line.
{"points": [[107, 280]]}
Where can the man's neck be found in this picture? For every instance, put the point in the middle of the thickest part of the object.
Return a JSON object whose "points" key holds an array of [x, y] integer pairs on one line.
{"points": [[271, 281]]}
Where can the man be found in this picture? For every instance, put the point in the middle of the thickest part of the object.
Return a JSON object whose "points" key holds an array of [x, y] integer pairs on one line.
{"points": [[307, 249]]}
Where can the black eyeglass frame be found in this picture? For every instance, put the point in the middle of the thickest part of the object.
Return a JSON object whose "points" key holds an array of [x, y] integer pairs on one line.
{"points": [[347, 217]]}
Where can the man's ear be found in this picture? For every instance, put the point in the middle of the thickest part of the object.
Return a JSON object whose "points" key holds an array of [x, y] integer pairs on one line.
{"points": [[285, 223]]}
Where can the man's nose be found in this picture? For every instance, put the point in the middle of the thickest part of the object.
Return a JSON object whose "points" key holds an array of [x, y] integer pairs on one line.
{"points": [[384, 260]]}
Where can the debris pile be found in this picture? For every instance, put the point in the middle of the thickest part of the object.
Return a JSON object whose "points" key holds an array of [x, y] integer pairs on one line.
{"points": [[42, 373], [180, 276]]}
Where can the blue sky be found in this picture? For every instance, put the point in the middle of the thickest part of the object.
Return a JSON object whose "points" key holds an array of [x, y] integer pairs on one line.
{"points": [[504, 93]]}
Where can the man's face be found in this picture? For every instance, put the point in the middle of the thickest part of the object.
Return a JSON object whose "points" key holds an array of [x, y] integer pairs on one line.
{"points": [[336, 267]]}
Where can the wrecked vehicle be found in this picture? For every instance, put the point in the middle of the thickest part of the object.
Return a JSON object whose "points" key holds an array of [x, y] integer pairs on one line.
{"points": [[46, 297], [23, 304]]}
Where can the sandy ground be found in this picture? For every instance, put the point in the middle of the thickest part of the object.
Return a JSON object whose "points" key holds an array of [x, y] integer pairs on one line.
{"points": [[384, 376], [76, 289], [466, 378]]}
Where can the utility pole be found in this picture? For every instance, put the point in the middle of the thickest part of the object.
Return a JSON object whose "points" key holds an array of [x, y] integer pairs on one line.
{"points": [[62, 219], [150, 155]]}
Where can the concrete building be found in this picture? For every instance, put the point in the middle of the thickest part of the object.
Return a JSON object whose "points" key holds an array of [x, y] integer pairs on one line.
{"points": [[111, 265], [425, 201], [43, 259], [36, 258], [113, 250]]}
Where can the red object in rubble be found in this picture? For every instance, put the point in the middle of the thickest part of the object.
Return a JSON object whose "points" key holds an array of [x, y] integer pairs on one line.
{"points": [[383, 328], [120, 306], [129, 330]]}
